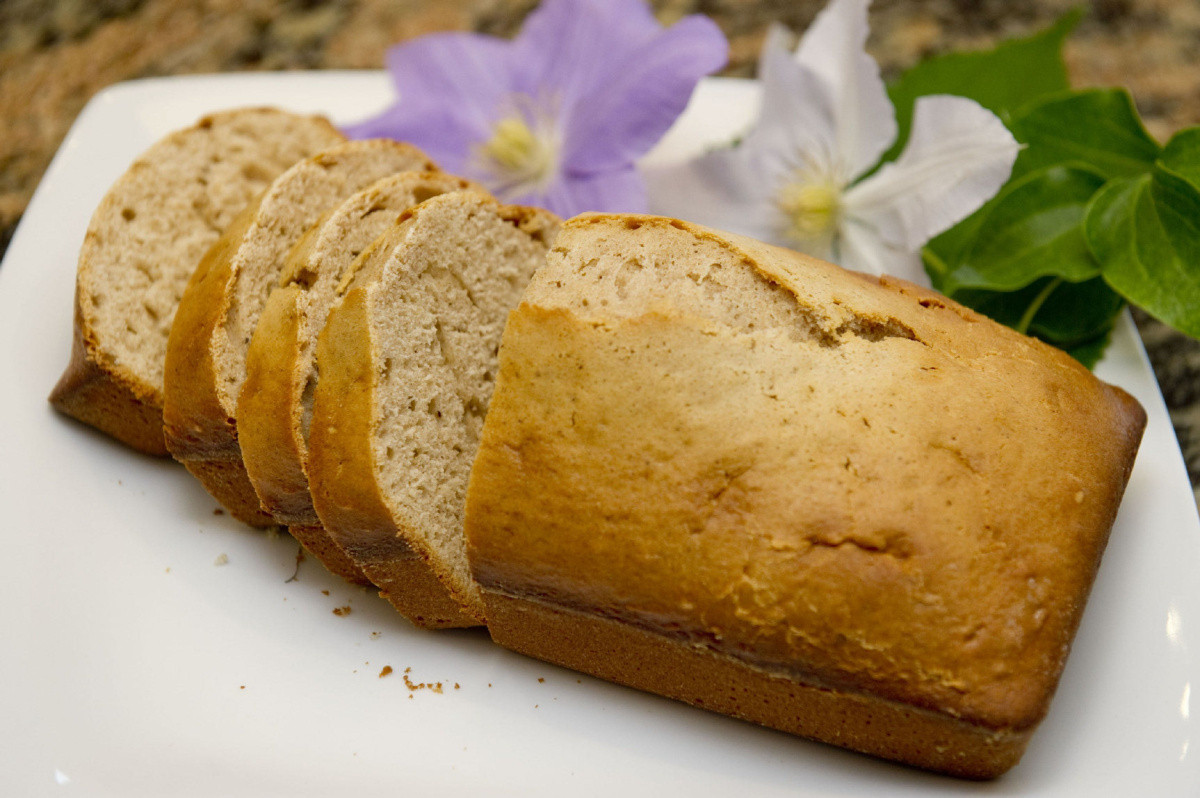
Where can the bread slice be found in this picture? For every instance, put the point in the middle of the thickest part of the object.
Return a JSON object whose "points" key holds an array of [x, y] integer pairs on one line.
{"points": [[407, 362], [142, 244], [840, 506], [275, 404], [206, 350]]}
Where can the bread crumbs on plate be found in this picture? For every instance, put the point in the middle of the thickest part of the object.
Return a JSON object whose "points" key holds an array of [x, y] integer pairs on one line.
{"points": [[342, 611], [387, 671], [436, 687], [222, 559]]}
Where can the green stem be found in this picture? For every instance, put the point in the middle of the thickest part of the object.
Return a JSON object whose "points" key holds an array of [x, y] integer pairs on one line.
{"points": [[1036, 305]]}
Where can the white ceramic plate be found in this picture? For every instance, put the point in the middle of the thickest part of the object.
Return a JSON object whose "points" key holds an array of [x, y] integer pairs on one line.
{"points": [[132, 665]]}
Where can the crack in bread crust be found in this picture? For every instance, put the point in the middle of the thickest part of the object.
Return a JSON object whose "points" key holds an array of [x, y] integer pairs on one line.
{"points": [[675, 444]]}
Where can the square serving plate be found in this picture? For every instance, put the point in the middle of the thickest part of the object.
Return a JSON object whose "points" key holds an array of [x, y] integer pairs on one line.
{"points": [[132, 664]]}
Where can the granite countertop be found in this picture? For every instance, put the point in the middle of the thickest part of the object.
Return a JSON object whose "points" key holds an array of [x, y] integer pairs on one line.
{"points": [[55, 54]]}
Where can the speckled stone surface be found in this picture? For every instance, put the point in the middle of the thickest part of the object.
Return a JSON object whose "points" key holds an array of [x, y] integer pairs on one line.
{"points": [[55, 54]]}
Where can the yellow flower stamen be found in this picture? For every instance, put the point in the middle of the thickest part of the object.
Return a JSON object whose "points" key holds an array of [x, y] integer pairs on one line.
{"points": [[520, 157], [813, 209], [513, 144]]}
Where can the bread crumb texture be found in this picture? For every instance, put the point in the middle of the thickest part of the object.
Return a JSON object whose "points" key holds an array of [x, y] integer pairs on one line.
{"points": [[407, 363], [161, 216], [850, 482], [281, 369], [438, 320]]}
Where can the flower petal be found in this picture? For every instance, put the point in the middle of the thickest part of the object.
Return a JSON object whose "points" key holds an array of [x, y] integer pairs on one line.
{"points": [[573, 45], [453, 70], [450, 87], [861, 249], [622, 117], [796, 127], [958, 157], [834, 48], [616, 191], [727, 189], [441, 135]]}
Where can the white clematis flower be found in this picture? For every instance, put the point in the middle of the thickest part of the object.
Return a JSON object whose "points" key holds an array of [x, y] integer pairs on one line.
{"points": [[796, 179]]}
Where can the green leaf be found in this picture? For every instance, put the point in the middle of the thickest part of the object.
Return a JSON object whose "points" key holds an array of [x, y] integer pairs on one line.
{"points": [[1031, 229], [1089, 352], [1077, 313], [1182, 155], [1099, 128], [1145, 231], [1002, 79], [1061, 313]]}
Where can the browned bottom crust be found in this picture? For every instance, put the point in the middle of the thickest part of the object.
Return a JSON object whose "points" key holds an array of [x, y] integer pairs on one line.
{"points": [[89, 393], [409, 584], [316, 541], [227, 482], [627, 655]]}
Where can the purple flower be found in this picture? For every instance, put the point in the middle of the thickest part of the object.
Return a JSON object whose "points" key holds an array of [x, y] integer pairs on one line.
{"points": [[557, 116]]}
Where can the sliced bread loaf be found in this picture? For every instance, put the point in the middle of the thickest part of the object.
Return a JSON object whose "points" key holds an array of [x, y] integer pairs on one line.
{"points": [[275, 404], [142, 244], [841, 506], [407, 362], [206, 350]]}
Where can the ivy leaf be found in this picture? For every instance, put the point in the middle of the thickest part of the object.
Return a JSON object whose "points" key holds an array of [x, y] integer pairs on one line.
{"points": [[1095, 215], [1076, 313], [1031, 229], [1145, 231], [1099, 128], [1089, 352], [1002, 79], [1182, 156]]}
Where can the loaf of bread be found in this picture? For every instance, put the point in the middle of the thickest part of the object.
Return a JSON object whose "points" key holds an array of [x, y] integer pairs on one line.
{"points": [[144, 240], [840, 506], [206, 350], [407, 362], [275, 405]]}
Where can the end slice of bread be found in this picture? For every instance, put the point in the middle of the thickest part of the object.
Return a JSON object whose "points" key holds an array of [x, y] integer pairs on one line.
{"points": [[206, 349], [840, 506], [142, 244], [275, 404], [407, 363]]}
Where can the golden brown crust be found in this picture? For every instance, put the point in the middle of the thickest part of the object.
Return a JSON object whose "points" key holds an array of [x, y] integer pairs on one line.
{"points": [[410, 583], [275, 397], [226, 481], [883, 493], [272, 454], [199, 433], [143, 241], [100, 393], [342, 472], [693, 673], [222, 304]]}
